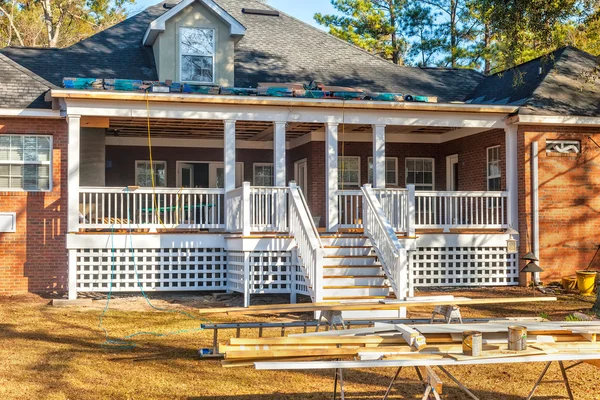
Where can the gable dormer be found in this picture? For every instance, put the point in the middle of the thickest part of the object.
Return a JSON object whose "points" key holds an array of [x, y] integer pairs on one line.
{"points": [[194, 42]]}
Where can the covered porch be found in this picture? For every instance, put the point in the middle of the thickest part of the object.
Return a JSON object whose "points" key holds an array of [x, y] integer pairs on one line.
{"points": [[152, 172]]}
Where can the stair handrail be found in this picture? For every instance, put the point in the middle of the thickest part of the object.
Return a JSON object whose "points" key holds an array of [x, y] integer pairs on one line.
{"points": [[307, 239], [388, 248]]}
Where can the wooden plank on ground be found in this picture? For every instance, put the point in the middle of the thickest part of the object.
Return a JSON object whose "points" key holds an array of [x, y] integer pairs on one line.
{"points": [[595, 363], [287, 308]]}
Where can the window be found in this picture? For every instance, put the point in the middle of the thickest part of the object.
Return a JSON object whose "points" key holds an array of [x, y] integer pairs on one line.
{"points": [[493, 169], [419, 172], [348, 171], [263, 174], [25, 162], [143, 173], [563, 147], [391, 171], [197, 55]]}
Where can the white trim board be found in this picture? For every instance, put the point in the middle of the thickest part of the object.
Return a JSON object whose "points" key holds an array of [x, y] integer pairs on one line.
{"points": [[553, 120], [30, 112], [159, 24]]}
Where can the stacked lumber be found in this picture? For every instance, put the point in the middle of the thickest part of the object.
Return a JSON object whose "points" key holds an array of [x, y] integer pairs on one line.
{"points": [[412, 342]]}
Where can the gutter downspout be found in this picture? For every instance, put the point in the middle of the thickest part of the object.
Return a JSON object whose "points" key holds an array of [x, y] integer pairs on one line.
{"points": [[535, 202]]}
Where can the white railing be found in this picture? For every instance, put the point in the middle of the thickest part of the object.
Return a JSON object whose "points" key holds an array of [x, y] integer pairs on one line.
{"points": [[391, 254], [234, 205], [461, 209], [308, 241], [122, 208], [350, 208], [268, 209], [394, 203]]}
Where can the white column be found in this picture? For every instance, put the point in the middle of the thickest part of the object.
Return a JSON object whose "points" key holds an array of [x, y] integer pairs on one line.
{"points": [[72, 277], [279, 154], [229, 155], [512, 177], [379, 156], [331, 175], [74, 128], [535, 206], [411, 212]]}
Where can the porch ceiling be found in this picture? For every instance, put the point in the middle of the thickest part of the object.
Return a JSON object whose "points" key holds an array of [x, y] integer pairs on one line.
{"points": [[203, 129], [261, 131]]}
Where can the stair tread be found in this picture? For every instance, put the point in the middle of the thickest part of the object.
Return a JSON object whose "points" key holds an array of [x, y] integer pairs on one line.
{"points": [[356, 297], [357, 287], [348, 247], [351, 256], [352, 266], [352, 276]]}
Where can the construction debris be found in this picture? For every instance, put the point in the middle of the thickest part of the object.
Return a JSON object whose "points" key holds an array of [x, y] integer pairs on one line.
{"points": [[313, 90]]}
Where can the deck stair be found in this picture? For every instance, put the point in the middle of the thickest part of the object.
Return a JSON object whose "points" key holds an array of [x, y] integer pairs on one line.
{"points": [[352, 272]]}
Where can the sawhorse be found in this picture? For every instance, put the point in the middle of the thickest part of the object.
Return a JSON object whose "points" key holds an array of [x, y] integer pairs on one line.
{"points": [[565, 378]]}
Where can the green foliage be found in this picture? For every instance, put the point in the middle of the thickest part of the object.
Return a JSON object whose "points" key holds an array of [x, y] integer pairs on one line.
{"points": [[572, 318], [374, 25], [490, 35], [56, 23], [544, 316]]}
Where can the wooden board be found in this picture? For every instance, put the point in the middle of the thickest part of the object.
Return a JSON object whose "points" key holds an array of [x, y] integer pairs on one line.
{"points": [[287, 308], [498, 354]]}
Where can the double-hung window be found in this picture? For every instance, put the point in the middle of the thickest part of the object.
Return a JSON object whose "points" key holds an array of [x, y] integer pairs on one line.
{"points": [[348, 171], [143, 173], [197, 55], [25, 162], [263, 174], [493, 169], [420, 172], [391, 171]]}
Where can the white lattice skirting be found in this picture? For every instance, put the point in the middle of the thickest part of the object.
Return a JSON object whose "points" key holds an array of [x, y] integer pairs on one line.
{"points": [[157, 269], [464, 266], [269, 272]]}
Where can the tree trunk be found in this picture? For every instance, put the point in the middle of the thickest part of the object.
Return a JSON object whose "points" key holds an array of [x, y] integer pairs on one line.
{"points": [[487, 39], [11, 22], [52, 27]]}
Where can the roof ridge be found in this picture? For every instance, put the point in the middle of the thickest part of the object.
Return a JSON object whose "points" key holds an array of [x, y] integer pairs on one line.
{"points": [[27, 72]]}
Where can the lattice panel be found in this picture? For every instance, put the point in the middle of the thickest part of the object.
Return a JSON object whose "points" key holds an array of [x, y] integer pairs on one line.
{"points": [[235, 270], [270, 272], [301, 281], [464, 266], [157, 269]]}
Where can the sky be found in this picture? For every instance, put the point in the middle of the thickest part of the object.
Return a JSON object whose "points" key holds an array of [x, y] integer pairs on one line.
{"points": [[302, 9]]}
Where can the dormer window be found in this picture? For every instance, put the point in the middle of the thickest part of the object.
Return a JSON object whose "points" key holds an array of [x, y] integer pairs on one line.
{"points": [[197, 55]]}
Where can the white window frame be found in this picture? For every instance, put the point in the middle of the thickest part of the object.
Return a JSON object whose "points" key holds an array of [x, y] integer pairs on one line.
{"points": [[487, 167], [23, 162], [254, 165], [137, 162], [181, 54], [407, 159], [344, 184], [370, 168]]}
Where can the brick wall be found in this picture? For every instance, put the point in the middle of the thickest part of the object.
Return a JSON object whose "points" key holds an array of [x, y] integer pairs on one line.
{"points": [[569, 200], [34, 258]]}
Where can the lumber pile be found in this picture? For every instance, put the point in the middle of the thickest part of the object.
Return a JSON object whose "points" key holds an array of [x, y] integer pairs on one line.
{"points": [[413, 342], [369, 306], [312, 90]]}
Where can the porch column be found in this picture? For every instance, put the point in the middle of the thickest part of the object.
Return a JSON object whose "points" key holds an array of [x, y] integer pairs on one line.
{"points": [[74, 122], [73, 157], [331, 175], [379, 156], [279, 154], [229, 155], [512, 177]]}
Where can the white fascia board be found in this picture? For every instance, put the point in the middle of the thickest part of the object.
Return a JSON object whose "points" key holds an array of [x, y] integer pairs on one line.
{"points": [[151, 241], [554, 120], [185, 142], [159, 25], [461, 240], [29, 112]]}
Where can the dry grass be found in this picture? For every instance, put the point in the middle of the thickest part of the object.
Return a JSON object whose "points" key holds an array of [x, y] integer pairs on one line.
{"points": [[57, 353]]}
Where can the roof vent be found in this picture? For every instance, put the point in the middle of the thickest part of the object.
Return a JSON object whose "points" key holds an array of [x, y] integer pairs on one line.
{"points": [[269, 13], [168, 6]]}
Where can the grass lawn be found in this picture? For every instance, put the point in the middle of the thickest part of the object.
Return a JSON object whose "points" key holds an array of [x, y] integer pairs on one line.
{"points": [[57, 353]]}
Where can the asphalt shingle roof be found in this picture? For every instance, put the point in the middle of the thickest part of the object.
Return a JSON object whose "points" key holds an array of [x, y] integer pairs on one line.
{"points": [[20, 88], [554, 84], [274, 49]]}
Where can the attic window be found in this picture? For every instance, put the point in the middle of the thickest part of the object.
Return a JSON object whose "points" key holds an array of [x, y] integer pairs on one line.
{"points": [[563, 147], [197, 55], [268, 13]]}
